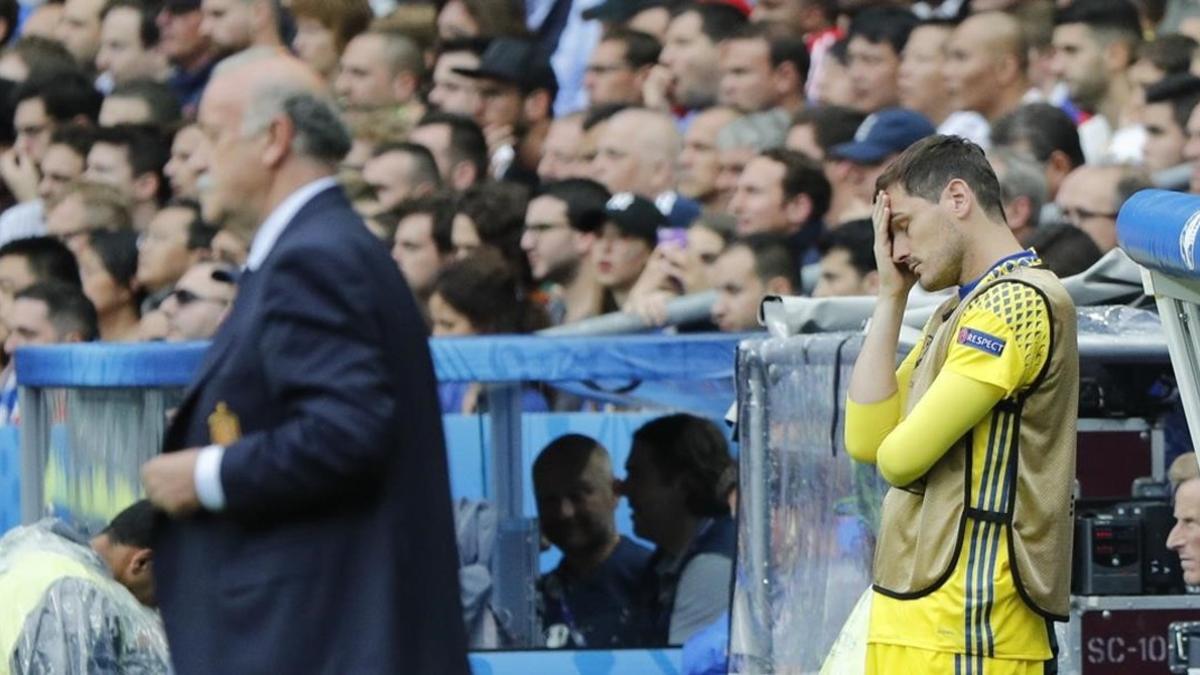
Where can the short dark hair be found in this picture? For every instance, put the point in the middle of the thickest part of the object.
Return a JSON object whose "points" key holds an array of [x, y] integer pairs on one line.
{"points": [[1181, 91], [585, 200], [467, 142], [641, 49], [1044, 127], [425, 168], [575, 450], [147, 25], [165, 111], [43, 56], [66, 306], [475, 45], [1109, 19], [857, 239], [439, 206], [199, 233], [803, 175], [772, 256], [1065, 249], [693, 450], [146, 148], [1170, 53], [840, 51], [65, 94], [48, 259], [497, 210], [883, 24], [832, 124], [924, 169], [78, 137], [602, 113], [484, 288], [718, 20], [133, 526]]}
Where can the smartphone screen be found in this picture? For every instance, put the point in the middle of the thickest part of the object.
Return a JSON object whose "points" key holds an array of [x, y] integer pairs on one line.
{"points": [[672, 237]]}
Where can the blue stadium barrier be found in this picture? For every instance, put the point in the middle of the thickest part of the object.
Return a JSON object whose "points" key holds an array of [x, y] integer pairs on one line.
{"points": [[693, 373], [1160, 230]]}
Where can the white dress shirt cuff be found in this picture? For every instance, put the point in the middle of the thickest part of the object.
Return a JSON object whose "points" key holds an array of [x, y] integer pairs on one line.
{"points": [[208, 478]]}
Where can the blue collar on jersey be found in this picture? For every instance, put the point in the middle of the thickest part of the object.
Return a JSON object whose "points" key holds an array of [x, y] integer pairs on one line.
{"points": [[1023, 256]]}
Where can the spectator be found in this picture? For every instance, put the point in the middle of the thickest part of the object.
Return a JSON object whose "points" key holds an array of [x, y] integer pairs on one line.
{"points": [[230, 249], [1167, 54], [42, 21], [143, 102], [24, 262], [379, 70], [86, 206], [680, 268], [645, 16], [45, 313], [876, 39], [760, 70], [985, 70], [62, 163], [177, 239], [637, 153], [1169, 104], [451, 92], [199, 302], [492, 215], [678, 478], [1044, 133], [748, 270], [618, 67], [784, 193], [740, 141], [920, 84], [480, 18], [561, 225], [108, 265], [422, 245], [188, 50], [180, 169], [591, 598], [234, 25], [1183, 468], [699, 162], [517, 88], [79, 30], [848, 261], [1095, 42], [815, 130], [623, 245], [129, 43], [685, 78], [41, 107], [1091, 195], [816, 22], [34, 57], [880, 138], [131, 159], [833, 85], [401, 171], [369, 131], [324, 28], [82, 601], [1065, 249], [1023, 191], [1184, 538], [458, 145], [594, 124], [561, 153]]}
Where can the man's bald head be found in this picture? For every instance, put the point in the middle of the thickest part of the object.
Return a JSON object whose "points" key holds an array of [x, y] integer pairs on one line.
{"points": [[637, 152], [986, 61]]}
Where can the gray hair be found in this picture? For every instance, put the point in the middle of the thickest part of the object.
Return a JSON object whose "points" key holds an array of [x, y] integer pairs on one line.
{"points": [[1021, 177], [320, 133], [759, 131]]}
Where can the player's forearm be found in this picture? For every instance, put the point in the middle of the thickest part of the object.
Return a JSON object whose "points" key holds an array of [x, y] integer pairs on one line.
{"points": [[874, 377]]}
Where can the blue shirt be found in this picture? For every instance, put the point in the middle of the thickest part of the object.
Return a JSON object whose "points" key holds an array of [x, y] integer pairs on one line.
{"points": [[600, 611]]}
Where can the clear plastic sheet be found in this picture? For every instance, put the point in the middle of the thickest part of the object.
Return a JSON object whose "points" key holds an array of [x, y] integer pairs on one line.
{"points": [[78, 620], [808, 513], [98, 440]]}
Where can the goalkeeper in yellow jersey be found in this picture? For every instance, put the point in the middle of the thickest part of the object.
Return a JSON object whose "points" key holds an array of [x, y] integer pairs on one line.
{"points": [[975, 431]]}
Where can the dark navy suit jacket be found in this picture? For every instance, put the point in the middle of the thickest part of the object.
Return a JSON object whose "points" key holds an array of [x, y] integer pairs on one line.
{"points": [[335, 552]]}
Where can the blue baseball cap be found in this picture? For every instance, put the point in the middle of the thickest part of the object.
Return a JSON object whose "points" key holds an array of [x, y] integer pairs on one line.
{"points": [[883, 134]]}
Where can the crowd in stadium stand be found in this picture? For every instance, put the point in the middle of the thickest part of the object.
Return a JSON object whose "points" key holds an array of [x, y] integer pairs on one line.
{"points": [[537, 163]]}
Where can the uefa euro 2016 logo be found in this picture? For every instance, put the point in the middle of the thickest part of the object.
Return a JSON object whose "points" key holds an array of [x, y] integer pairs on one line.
{"points": [[976, 339]]}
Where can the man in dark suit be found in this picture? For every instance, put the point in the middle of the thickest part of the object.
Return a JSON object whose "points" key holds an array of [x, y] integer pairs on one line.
{"points": [[305, 472]]}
